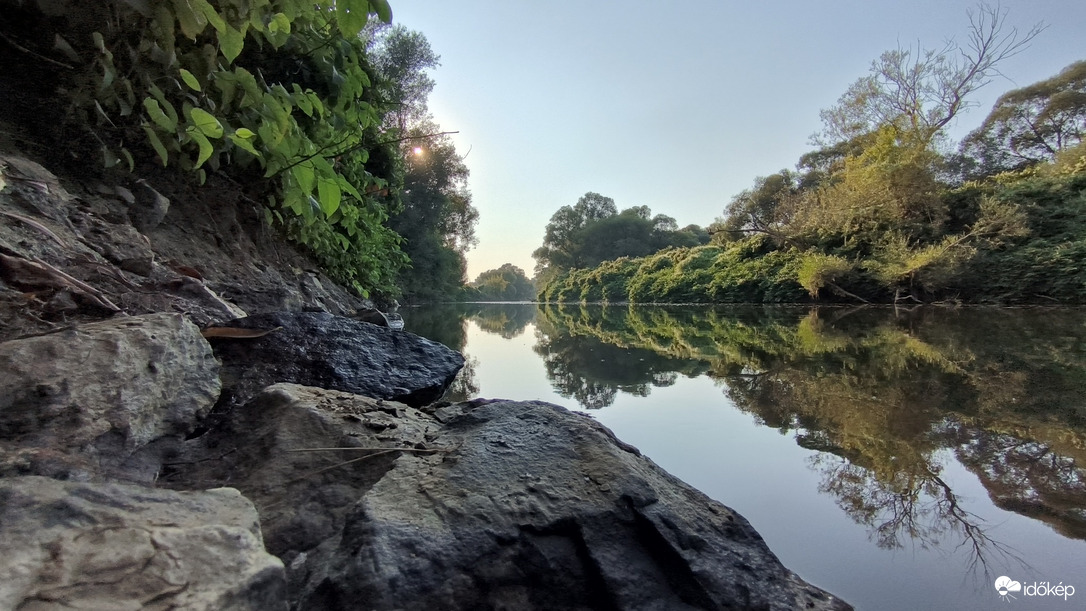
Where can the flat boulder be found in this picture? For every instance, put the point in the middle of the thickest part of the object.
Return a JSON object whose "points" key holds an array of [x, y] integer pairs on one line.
{"points": [[102, 400], [530, 506], [304, 456], [333, 352], [70, 545]]}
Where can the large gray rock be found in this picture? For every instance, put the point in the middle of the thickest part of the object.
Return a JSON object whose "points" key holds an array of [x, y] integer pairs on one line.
{"points": [[539, 508], [334, 352], [277, 450], [507, 505], [100, 399], [67, 545]]}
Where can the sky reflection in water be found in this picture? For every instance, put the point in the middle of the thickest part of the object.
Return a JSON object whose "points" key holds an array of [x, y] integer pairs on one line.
{"points": [[866, 445]]}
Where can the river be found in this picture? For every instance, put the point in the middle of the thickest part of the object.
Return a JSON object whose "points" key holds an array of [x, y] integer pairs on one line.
{"points": [[901, 459]]}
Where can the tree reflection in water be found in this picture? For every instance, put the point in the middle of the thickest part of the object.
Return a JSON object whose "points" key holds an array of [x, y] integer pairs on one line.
{"points": [[885, 396], [447, 324]]}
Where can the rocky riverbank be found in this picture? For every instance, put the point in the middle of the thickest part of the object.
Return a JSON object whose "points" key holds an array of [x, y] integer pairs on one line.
{"points": [[191, 417]]}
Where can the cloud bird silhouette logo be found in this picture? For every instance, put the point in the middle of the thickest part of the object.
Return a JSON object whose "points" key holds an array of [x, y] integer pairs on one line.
{"points": [[1005, 585]]}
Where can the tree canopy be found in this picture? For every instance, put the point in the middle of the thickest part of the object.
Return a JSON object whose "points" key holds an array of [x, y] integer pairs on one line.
{"points": [[506, 283], [881, 212], [593, 231], [919, 91], [433, 214], [1030, 125]]}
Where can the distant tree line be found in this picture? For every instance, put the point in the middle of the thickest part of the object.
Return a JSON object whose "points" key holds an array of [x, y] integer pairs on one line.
{"points": [[593, 231], [506, 283], [885, 210]]}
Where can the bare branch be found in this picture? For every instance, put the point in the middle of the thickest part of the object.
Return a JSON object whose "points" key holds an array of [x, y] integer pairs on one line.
{"points": [[919, 91]]}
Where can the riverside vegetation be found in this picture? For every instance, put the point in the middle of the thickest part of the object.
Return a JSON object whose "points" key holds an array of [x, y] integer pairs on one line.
{"points": [[313, 112], [886, 210]]}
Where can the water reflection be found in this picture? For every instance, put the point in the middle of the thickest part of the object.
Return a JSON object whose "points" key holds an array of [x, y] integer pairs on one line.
{"points": [[447, 324], [886, 397], [588, 360]]}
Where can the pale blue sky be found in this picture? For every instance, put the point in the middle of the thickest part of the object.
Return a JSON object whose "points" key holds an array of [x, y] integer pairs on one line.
{"points": [[673, 105]]}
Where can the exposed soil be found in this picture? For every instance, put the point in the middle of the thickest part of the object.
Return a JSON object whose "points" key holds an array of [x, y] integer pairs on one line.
{"points": [[75, 248]]}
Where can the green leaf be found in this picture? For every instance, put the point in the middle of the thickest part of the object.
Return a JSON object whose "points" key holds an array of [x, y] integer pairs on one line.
{"points": [[305, 175], [293, 201], [108, 74], [156, 144], [384, 11], [346, 186], [301, 100], [102, 113], [323, 166], [329, 194], [351, 16], [210, 15], [317, 104], [205, 146], [192, 21], [99, 42], [166, 107], [206, 123], [155, 112], [231, 42], [190, 80], [227, 84], [253, 94], [244, 132], [270, 134], [279, 24], [244, 143]]}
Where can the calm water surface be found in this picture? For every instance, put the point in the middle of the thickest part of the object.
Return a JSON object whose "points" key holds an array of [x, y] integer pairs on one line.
{"points": [[899, 459]]}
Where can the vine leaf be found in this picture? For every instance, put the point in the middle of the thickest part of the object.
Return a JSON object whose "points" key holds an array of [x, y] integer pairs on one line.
{"points": [[231, 42], [351, 16], [305, 175], [156, 144], [160, 118], [192, 21], [329, 194], [205, 146], [384, 11], [206, 123], [190, 80], [210, 15]]}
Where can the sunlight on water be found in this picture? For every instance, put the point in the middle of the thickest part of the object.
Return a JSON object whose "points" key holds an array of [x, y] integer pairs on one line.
{"points": [[865, 446]]}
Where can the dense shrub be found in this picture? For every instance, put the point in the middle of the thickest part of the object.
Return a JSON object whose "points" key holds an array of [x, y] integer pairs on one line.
{"points": [[278, 94]]}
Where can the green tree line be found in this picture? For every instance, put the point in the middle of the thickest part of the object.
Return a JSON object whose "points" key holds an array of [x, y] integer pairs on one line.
{"points": [[593, 231], [506, 283], [886, 210]]}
